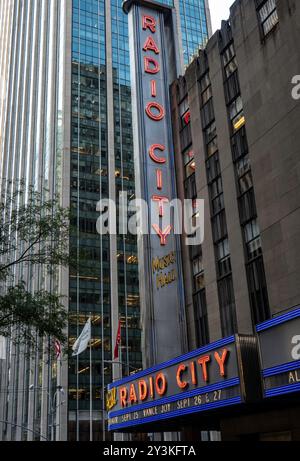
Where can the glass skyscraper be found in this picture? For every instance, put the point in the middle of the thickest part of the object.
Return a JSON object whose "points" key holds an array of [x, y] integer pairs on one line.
{"points": [[87, 70]]}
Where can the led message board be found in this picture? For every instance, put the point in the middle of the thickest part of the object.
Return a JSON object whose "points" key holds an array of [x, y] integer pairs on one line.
{"points": [[279, 343]]}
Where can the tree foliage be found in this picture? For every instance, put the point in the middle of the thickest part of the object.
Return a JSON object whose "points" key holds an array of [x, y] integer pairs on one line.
{"points": [[34, 234]]}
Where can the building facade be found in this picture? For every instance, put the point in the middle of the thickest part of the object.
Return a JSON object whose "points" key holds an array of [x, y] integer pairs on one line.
{"points": [[66, 65], [236, 135]]}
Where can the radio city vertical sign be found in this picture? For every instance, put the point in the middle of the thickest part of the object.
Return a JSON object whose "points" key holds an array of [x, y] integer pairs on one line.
{"points": [[152, 46]]}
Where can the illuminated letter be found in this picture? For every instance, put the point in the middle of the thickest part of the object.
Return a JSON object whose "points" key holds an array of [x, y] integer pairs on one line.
{"points": [[159, 179], [153, 88], [151, 45], [193, 373], [161, 200], [221, 361], [132, 394], [123, 397], [180, 370], [152, 154], [203, 361], [162, 234], [151, 387], [151, 66], [143, 390], [157, 106], [149, 23], [160, 384]]}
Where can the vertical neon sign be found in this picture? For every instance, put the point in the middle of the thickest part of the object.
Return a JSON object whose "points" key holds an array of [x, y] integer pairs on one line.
{"points": [[152, 43]]}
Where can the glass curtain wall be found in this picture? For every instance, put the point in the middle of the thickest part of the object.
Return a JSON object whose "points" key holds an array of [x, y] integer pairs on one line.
{"points": [[90, 280]]}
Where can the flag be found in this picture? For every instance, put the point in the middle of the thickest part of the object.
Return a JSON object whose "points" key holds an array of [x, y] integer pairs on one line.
{"points": [[57, 348], [2, 348], [118, 342], [82, 342]]}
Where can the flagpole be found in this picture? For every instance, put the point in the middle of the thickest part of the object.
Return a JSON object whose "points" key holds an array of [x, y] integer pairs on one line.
{"points": [[80, 345], [77, 398], [91, 390]]}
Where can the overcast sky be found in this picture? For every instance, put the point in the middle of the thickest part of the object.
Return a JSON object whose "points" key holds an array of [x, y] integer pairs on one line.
{"points": [[219, 10]]}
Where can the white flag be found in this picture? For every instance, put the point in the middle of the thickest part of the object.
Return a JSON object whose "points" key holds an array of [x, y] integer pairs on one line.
{"points": [[82, 342], [2, 348]]}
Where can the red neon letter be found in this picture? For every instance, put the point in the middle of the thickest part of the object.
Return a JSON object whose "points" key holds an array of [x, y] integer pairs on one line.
{"points": [[123, 396], [221, 361], [193, 373], [160, 384], [153, 88], [151, 66], [150, 45], [157, 106], [162, 234], [161, 200], [143, 390], [152, 153], [203, 361], [151, 387], [149, 23], [132, 394], [181, 384], [159, 181]]}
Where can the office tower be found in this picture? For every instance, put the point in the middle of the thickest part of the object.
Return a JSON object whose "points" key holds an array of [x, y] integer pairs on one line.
{"points": [[67, 127]]}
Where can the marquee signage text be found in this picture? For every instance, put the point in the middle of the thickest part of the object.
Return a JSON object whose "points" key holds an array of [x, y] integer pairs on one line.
{"points": [[199, 381]]}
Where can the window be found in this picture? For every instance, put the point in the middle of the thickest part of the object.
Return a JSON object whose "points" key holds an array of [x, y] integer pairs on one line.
{"points": [[198, 273], [232, 88], [210, 133], [219, 226], [267, 13], [258, 291], [207, 113], [189, 162], [242, 166], [252, 239], [236, 113], [206, 95], [227, 306], [201, 322], [190, 187], [239, 144], [213, 167], [231, 67], [228, 54], [185, 126], [247, 206], [216, 196], [204, 82], [217, 204], [216, 188], [212, 146], [244, 175], [223, 257], [205, 89], [183, 109], [229, 60]]}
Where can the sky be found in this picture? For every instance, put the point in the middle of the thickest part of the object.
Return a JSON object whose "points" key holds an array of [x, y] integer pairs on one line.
{"points": [[219, 9]]}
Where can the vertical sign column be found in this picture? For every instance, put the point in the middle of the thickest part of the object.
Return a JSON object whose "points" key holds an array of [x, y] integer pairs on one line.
{"points": [[161, 285]]}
